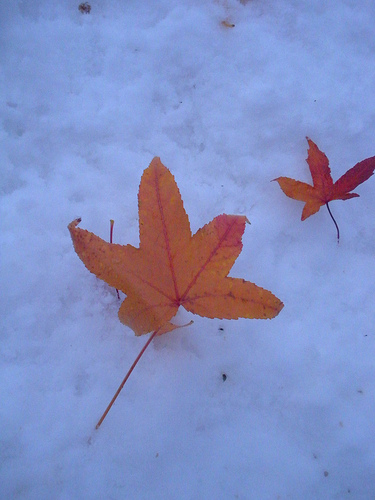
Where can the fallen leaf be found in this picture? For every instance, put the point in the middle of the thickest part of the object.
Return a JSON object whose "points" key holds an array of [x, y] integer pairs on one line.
{"points": [[323, 189], [172, 268]]}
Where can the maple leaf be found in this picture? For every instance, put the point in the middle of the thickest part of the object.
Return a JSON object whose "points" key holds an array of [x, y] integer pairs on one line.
{"points": [[172, 268], [323, 189]]}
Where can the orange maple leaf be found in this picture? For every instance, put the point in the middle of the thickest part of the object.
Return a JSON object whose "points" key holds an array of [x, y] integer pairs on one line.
{"points": [[172, 268], [323, 189]]}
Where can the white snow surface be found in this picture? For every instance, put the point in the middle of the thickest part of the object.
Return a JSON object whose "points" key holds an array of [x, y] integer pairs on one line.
{"points": [[87, 101]]}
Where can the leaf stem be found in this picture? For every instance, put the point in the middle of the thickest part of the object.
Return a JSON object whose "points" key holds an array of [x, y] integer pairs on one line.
{"points": [[337, 227], [125, 379]]}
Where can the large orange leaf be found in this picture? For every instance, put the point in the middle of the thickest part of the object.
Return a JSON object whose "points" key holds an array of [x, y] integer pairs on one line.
{"points": [[323, 189], [172, 268]]}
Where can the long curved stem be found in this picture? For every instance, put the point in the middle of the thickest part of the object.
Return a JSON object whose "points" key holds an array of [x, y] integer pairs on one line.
{"points": [[337, 227], [125, 379]]}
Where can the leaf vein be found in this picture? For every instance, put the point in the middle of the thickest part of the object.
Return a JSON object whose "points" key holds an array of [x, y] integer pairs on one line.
{"points": [[210, 257], [166, 236]]}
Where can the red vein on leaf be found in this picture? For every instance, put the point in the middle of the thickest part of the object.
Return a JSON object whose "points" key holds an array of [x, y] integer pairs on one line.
{"points": [[210, 257], [151, 285], [146, 282], [166, 236]]}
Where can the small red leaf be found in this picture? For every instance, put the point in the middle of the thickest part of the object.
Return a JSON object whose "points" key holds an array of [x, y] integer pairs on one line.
{"points": [[323, 189]]}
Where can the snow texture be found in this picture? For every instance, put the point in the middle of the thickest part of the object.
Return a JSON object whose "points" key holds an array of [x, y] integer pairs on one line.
{"points": [[87, 101]]}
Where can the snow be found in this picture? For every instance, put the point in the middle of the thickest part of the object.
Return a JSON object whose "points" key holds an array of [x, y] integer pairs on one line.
{"points": [[87, 101]]}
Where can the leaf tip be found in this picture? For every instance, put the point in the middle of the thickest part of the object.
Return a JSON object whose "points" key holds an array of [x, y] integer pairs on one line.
{"points": [[155, 161], [74, 223]]}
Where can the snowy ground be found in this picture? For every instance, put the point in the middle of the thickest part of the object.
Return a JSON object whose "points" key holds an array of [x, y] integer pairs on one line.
{"points": [[87, 101]]}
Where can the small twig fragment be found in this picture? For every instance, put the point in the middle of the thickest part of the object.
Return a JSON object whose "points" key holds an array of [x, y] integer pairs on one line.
{"points": [[227, 24]]}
